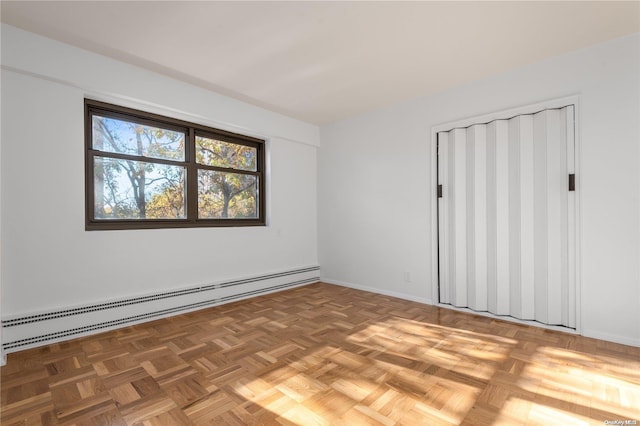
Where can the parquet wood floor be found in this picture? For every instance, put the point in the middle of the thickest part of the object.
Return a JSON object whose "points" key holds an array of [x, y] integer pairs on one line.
{"points": [[323, 354]]}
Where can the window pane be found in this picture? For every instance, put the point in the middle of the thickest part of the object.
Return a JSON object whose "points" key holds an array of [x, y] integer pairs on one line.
{"points": [[212, 152], [125, 189], [125, 137], [227, 195]]}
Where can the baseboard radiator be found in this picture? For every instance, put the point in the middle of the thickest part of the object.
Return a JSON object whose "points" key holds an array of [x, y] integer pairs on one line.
{"points": [[21, 332]]}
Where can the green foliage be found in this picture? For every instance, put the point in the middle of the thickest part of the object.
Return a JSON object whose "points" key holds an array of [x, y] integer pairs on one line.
{"points": [[226, 195], [213, 152], [128, 189], [124, 189]]}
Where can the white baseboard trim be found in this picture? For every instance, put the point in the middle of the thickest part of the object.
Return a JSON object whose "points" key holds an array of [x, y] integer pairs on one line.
{"points": [[378, 291], [29, 330], [629, 341], [532, 323], [586, 333]]}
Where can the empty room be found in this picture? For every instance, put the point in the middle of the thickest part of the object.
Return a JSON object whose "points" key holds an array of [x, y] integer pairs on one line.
{"points": [[320, 213]]}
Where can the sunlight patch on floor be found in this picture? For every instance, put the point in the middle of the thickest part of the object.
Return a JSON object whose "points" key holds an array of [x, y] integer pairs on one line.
{"points": [[581, 383], [542, 414], [444, 375]]}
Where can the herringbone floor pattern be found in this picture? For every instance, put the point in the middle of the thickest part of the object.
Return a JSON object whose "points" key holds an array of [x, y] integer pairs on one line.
{"points": [[323, 354]]}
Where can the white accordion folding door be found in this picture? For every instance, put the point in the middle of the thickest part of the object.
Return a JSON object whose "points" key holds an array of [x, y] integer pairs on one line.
{"points": [[506, 217]]}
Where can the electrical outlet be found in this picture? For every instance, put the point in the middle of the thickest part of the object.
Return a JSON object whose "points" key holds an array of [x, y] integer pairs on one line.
{"points": [[407, 277]]}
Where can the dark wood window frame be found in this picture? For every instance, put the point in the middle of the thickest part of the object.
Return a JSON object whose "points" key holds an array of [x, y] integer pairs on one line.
{"points": [[103, 109]]}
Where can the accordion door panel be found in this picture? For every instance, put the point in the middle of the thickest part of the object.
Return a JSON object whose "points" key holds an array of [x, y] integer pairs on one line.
{"points": [[506, 217]]}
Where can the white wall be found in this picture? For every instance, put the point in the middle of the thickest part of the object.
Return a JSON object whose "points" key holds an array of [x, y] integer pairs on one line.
{"points": [[50, 261], [374, 199], [376, 191]]}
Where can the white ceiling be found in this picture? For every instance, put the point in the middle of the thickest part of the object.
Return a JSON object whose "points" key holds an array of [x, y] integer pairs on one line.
{"points": [[323, 61]]}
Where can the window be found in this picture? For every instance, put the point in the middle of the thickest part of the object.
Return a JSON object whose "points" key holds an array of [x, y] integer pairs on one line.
{"points": [[148, 171]]}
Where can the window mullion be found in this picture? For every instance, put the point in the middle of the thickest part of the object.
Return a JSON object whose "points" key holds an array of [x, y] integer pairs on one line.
{"points": [[141, 158], [228, 170], [192, 177]]}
